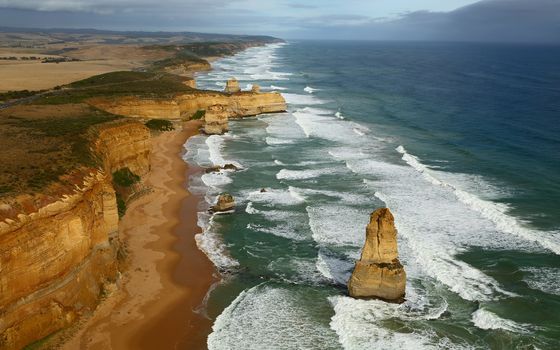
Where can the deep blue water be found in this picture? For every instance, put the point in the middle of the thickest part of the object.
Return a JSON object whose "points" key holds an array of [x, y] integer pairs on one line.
{"points": [[491, 110], [460, 141]]}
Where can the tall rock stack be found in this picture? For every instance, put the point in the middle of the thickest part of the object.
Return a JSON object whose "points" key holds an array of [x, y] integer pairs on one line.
{"points": [[232, 86], [216, 120], [379, 273]]}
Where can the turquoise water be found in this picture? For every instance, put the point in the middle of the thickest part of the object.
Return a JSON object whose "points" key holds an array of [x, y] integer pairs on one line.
{"points": [[461, 141]]}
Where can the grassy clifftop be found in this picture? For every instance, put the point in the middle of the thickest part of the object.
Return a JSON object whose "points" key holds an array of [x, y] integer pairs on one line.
{"points": [[43, 143]]}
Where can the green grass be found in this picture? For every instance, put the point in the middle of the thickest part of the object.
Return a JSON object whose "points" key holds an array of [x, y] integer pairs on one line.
{"points": [[160, 125], [118, 84], [125, 178], [49, 146], [198, 114], [12, 95]]}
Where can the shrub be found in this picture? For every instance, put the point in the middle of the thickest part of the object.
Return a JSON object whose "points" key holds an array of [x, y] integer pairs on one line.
{"points": [[125, 178], [121, 206], [198, 114], [160, 125]]}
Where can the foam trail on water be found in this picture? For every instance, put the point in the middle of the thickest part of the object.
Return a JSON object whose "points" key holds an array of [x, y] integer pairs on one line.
{"points": [[358, 324], [310, 90], [493, 211], [485, 319], [211, 244], [264, 317]]}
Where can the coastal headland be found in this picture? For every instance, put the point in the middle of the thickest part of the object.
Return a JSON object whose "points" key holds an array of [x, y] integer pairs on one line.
{"points": [[97, 246]]}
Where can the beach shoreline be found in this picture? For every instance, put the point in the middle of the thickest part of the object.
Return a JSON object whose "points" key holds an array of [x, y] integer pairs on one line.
{"points": [[167, 276]]}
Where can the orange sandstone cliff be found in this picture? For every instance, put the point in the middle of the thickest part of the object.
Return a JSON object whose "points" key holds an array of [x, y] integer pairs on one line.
{"points": [[57, 255], [218, 105]]}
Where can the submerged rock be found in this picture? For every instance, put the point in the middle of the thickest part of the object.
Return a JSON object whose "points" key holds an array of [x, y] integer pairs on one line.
{"points": [[379, 273], [225, 203], [218, 168], [232, 86]]}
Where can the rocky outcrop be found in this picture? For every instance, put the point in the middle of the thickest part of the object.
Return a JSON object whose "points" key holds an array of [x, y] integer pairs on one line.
{"points": [[255, 89], [57, 252], [55, 261], [217, 168], [183, 106], [232, 86], [379, 273], [225, 203], [216, 120], [123, 145], [190, 83]]}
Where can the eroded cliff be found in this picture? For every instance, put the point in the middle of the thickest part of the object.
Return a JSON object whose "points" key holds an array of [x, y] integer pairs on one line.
{"points": [[59, 250]]}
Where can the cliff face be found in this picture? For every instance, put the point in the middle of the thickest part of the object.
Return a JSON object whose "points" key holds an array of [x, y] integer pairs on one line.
{"points": [[379, 273], [216, 120], [123, 145], [56, 257], [238, 105]]}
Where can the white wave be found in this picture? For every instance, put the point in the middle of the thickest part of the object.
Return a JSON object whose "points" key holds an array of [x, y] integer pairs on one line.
{"points": [[274, 197], [297, 99], [345, 197], [249, 209], [359, 325], [485, 319], [334, 269], [216, 180], [211, 244], [545, 279], [269, 318], [310, 90], [338, 224], [326, 126], [285, 230], [434, 226], [274, 87], [272, 141], [286, 174], [297, 270], [339, 115], [358, 132], [496, 212]]}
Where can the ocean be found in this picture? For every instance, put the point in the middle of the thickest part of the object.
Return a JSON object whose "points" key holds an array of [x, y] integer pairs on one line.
{"points": [[460, 141]]}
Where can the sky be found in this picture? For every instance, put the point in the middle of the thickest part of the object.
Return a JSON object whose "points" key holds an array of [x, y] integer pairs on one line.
{"points": [[453, 20]]}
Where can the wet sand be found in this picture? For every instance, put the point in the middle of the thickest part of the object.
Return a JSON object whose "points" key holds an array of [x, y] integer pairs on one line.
{"points": [[168, 276]]}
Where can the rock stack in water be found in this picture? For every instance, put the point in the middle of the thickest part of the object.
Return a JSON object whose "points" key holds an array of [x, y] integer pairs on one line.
{"points": [[232, 86], [225, 203], [216, 120], [379, 273], [256, 89]]}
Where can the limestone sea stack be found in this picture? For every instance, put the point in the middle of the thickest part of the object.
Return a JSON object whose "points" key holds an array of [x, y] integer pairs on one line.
{"points": [[379, 273], [216, 120], [225, 203], [232, 86]]}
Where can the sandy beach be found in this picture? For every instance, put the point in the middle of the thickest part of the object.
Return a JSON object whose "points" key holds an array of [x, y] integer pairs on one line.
{"points": [[167, 275]]}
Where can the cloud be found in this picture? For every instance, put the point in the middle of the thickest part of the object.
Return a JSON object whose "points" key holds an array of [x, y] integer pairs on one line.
{"points": [[301, 6], [486, 20], [111, 6]]}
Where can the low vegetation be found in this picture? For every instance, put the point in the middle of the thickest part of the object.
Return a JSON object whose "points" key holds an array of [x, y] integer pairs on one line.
{"points": [[125, 178], [44, 143], [121, 205], [160, 125], [198, 114], [118, 84], [13, 95]]}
